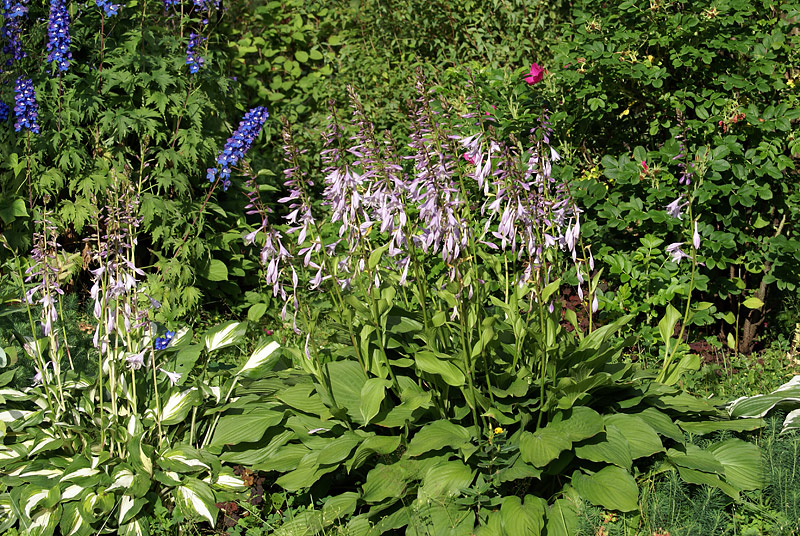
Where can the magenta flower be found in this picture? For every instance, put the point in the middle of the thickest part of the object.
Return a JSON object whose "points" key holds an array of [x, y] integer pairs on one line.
{"points": [[536, 74]]}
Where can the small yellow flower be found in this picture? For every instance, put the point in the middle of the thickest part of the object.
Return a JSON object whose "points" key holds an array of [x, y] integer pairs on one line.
{"points": [[498, 431], [790, 83], [625, 112]]}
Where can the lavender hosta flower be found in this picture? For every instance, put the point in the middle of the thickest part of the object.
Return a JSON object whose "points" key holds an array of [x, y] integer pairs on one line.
{"points": [[193, 60], [674, 208], [108, 7], [173, 377], [135, 361], [58, 40], [676, 253], [26, 110], [238, 144], [696, 237], [45, 272]]}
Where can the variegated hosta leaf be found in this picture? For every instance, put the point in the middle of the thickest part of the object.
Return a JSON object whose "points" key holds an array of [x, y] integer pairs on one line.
{"points": [[7, 516], [45, 521], [183, 459], [128, 508], [123, 478], [96, 506], [35, 498], [45, 442], [11, 415], [73, 492], [262, 359], [196, 500], [35, 347], [137, 527], [182, 336], [178, 406], [225, 335], [12, 453], [79, 474], [72, 523], [138, 457], [227, 480], [14, 395]]}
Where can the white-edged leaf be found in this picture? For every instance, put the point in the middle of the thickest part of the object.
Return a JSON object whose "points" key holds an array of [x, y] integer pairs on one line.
{"points": [[227, 480], [178, 406], [43, 443], [128, 508], [80, 473], [72, 523], [122, 480], [196, 499], [225, 335], [261, 358], [11, 415], [136, 527], [45, 521]]}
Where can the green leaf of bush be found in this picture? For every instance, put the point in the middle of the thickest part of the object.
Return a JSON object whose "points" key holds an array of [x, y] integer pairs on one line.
{"points": [[612, 488]]}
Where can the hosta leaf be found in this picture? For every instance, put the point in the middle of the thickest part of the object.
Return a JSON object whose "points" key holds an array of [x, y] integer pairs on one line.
{"points": [[307, 474], [544, 446], [446, 519], [693, 476], [613, 448], [128, 508], [707, 427], [45, 521], [184, 459], [123, 478], [445, 479], [695, 458], [662, 424], [178, 405], [338, 448], [245, 428], [384, 481], [612, 488], [741, 461], [437, 435], [196, 500], [227, 480], [520, 519], [562, 519], [579, 423], [225, 335], [72, 523], [431, 363], [35, 497], [96, 505], [137, 527], [760, 405], [347, 379], [339, 507], [642, 439], [374, 444], [261, 360], [372, 393]]}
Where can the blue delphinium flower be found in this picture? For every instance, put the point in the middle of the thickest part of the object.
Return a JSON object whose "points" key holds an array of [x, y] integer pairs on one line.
{"points": [[192, 59], [5, 111], [25, 109], [163, 342], [58, 40], [13, 14], [109, 8], [238, 144]]}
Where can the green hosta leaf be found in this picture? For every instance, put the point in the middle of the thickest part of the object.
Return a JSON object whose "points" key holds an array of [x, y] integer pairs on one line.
{"points": [[562, 519], [196, 500], [707, 427], [245, 428], [520, 519], [431, 363], [373, 445], [338, 448], [579, 423], [612, 488], [543, 446], [433, 518], [437, 435], [741, 462], [384, 481], [347, 379], [693, 476], [613, 448], [178, 405], [339, 507], [666, 326], [642, 439], [308, 473], [185, 360], [262, 359], [128, 508], [445, 479], [372, 394], [696, 458], [225, 335]]}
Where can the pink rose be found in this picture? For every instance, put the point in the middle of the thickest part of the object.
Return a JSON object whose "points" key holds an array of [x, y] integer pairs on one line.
{"points": [[536, 74]]}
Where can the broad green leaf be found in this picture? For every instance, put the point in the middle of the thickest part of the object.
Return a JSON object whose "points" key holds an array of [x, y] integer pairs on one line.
{"points": [[696, 458], [308, 473], [520, 519], [304, 523], [225, 335], [373, 445], [196, 500], [445, 479], [302, 397], [612, 488], [245, 428], [372, 394], [741, 461], [437, 435], [347, 379], [338, 448], [263, 359], [429, 362], [550, 289], [613, 448], [579, 423], [562, 518], [707, 427], [693, 476], [215, 271], [666, 326], [687, 363], [375, 256], [178, 405], [339, 507], [753, 303], [434, 518], [256, 311], [384, 481], [543, 446], [185, 360], [642, 439]]}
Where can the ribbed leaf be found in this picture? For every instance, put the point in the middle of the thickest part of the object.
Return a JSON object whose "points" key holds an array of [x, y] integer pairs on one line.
{"points": [[520, 519], [611, 448], [562, 519], [373, 445], [225, 335], [741, 461], [642, 439], [434, 364], [760, 405], [612, 488], [196, 500], [372, 393], [178, 405], [437, 435], [246, 428], [543, 446], [261, 360], [445, 479]]}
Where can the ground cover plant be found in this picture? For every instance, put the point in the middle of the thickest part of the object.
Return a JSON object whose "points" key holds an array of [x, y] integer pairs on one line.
{"points": [[477, 291]]}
